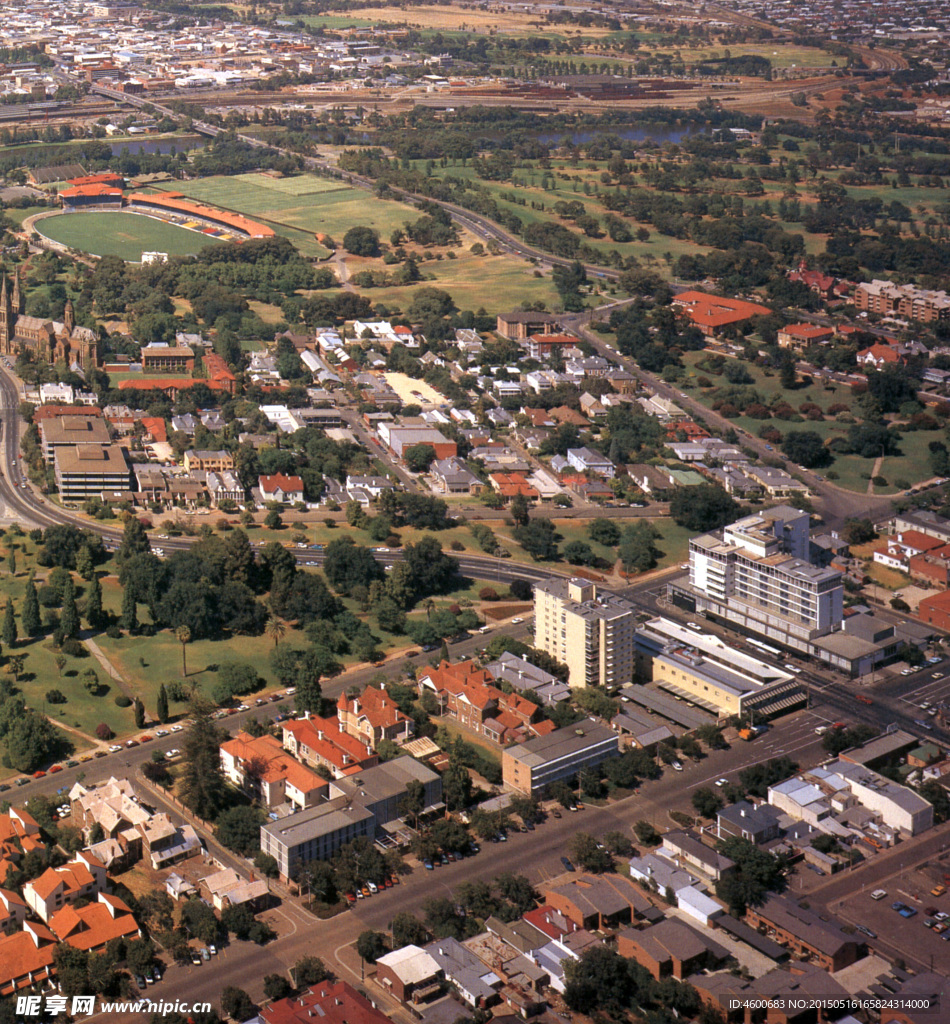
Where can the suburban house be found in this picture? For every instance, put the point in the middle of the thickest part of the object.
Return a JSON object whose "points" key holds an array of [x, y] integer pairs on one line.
{"points": [[288, 490], [671, 949], [226, 888], [80, 878], [322, 741], [93, 926], [586, 461], [260, 767], [373, 716], [596, 902], [452, 476], [409, 973]]}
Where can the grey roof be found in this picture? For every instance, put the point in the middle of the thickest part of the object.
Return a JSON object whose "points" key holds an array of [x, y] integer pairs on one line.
{"points": [[323, 819], [674, 939], [744, 815], [460, 964], [561, 743], [826, 936]]}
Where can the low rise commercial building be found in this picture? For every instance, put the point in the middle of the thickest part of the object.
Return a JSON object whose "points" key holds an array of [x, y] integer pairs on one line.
{"points": [[532, 766], [84, 471], [364, 804], [807, 934]]}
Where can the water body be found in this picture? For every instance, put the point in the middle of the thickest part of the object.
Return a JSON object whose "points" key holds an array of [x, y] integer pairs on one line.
{"points": [[163, 146]]}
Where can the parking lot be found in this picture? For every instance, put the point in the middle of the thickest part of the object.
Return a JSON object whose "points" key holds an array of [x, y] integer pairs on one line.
{"points": [[900, 936]]}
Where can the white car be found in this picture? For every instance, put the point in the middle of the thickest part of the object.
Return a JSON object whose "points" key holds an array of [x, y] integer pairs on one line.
{"points": [[115, 748], [821, 730], [372, 887], [170, 755], [161, 732], [516, 621], [676, 766], [907, 671], [290, 691], [177, 728], [722, 782]]}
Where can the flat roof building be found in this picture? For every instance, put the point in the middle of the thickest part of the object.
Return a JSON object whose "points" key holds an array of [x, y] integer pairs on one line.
{"points": [[529, 767], [86, 470], [359, 805]]}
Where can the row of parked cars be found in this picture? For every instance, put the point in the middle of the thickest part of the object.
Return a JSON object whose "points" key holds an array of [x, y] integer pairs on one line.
{"points": [[370, 889]]}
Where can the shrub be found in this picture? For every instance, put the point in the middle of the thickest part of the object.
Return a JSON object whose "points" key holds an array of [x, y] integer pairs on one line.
{"points": [[73, 648], [488, 594], [104, 732], [113, 632], [55, 697], [121, 701]]}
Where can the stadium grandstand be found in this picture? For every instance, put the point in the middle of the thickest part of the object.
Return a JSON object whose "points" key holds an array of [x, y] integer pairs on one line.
{"points": [[172, 206], [98, 195]]}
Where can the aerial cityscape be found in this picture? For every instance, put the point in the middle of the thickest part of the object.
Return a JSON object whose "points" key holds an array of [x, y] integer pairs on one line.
{"points": [[474, 512]]}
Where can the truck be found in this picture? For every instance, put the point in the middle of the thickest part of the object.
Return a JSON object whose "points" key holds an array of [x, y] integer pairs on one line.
{"points": [[751, 731]]}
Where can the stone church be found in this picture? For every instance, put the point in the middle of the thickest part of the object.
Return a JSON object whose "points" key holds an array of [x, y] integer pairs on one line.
{"points": [[48, 340]]}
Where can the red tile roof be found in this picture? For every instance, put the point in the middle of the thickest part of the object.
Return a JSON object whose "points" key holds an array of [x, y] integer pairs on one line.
{"points": [[716, 311], [808, 331], [45, 412], [270, 484], [176, 203], [25, 954], [95, 924], [328, 1003], [466, 679], [267, 759], [376, 706], [337, 747]]}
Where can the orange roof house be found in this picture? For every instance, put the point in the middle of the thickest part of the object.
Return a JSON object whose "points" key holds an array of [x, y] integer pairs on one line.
{"points": [[878, 355], [171, 387], [373, 716], [93, 926], [468, 694], [279, 487], [261, 767], [26, 958], [710, 313], [320, 741], [510, 484], [799, 335], [82, 877], [218, 372]]}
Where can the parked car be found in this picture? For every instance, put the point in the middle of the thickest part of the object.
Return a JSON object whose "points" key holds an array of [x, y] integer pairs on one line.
{"points": [[372, 887], [195, 958], [205, 955], [568, 866]]}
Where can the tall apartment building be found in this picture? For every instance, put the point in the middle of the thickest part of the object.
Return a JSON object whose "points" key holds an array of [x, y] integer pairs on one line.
{"points": [[906, 300], [757, 575], [589, 630]]}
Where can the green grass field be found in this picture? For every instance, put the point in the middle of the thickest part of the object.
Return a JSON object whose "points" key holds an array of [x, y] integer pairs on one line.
{"points": [[125, 235], [314, 206]]}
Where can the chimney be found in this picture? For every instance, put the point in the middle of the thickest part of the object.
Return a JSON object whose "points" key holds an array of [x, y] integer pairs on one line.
{"points": [[346, 758], [319, 734], [742, 812]]}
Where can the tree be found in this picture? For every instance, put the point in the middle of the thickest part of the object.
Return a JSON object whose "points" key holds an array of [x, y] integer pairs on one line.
{"points": [[370, 945], [419, 457], [94, 613], [600, 978], [706, 802], [407, 930], [456, 781], [361, 241], [69, 620], [276, 986], [413, 801], [807, 448], [9, 625], [203, 787], [275, 629], [604, 531], [538, 538], [579, 552], [585, 851], [162, 704], [519, 509], [702, 508], [138, 710], [134, 540], [183, 634], [129, 618], [30, 612], [309, 970], [646, 833], [237, 1004], [756, 874], [239, 829], [273, 520]]}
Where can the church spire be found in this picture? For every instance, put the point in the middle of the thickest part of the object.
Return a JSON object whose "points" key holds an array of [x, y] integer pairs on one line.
{"points": [[17, 298], [69, 316]]}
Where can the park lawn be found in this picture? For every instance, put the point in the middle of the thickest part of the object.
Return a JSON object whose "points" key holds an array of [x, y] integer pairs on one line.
{"points": [[302, 215], [912, 466], [780, 55], [148, 661], [476, 282], [269, 313], [19, 215]]}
